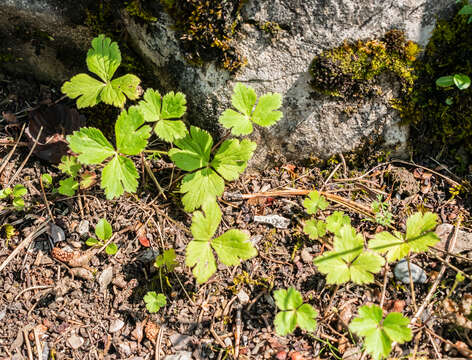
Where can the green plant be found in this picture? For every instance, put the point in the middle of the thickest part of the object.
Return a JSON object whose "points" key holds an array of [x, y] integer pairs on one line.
{"points": [[293, 312], [47, 180], [383, 216], [104, 233], [154, 301], [315, 202], [419, 237], [461, 81], [380, 333], [16, 195], [103, 59], [231, 247], [70, 166], [466, 10]]}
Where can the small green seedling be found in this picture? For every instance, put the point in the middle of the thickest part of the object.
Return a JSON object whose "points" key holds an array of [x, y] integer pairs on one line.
{"points": [[418, 238], [166, 263], [47, 180], [70, 166], [165, 111], [231, 247], [206, 180], [379, 333], [315, 229], [104, 232], [349, 261], [293, 312], [315, 202], [336, 221], [461, 81], [244, 99], [381, 209], [154, 301], [16, 195], [103, 59]]}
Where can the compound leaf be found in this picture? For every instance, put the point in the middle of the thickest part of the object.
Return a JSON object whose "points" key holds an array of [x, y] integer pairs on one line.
{"points": [[104, 57], [19, 190], [154, 301], [314, 202], [200, 256], [396, 327], [119, 175], [91, 145], [111, 249], [193, 150], [103, 229], [238, 123], [288, 299], [285, 322], [204, 225], [243, 98], [266, 113], [173, 105], [69, 165], [233, 246], [86, 88], [167, 259], [68, 186], [199, 187], [394, 245], [461, 81], [232, 156], [114, 92], [150, 106], [314, 229], [170, 130], [306, 317], [363, 268], [131, 139]]}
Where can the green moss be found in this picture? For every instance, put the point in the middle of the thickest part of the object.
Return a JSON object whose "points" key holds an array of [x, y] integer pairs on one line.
{"points": [[207, 30], [134, 8], [448, 52], [353, 70]]}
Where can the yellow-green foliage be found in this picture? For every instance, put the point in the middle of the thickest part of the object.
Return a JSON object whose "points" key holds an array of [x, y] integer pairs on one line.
{"points": [[449, 52], [207, 28], [352, 70], [134, 8]]}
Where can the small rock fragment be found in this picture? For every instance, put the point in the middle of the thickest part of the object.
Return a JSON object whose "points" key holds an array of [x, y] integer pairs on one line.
{"points": [[463, 242], [243, 297], [228, 342], [275, 220], [56, 233], [3, 312], [82, 273], [306, 256], [105, 278], [180, 341], [402, 274], [75, 341], [124, 349], [116, 325], [137, 333], [83, 228], [180, 355]]}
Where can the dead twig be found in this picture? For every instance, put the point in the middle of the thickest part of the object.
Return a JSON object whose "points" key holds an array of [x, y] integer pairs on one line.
{"points": [[157, 354], [28, 345], [32, 288], [46, 202], [12, 151]]}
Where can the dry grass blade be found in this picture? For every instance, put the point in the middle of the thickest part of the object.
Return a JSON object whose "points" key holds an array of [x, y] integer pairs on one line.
{"points": [[12, 151]]}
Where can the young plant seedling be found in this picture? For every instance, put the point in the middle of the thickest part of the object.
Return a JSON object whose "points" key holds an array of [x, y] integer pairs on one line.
{"points": [[336, 221], [349, 261], [47, 180], [164, 112], [70, 166], [293, 312], [314, 202], [461, 81], [379, 333], [103, 59], [154, 301], [16, 195], [244, 99], [231, 247], [383, 216], [418, 238], [119, 173], [206, 180], [166, 263], [104, 232]]}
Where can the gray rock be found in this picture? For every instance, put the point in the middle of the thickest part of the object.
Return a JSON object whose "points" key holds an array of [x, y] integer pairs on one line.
{"points": [[446, 233], [243, 297], [105, 278], [306, 256], [180, 355], [275, 220], [75, 341], [402, 274], [116, 325], [83, 228], [55, 233], [179, 341], [310, 126]]}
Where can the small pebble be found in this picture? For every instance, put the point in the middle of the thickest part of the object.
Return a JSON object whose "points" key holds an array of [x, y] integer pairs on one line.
{"points": [[228, 342], [180, 341], [56, 233], [402, 274], [83, 228], [243, 297], [124, 349], [75, 341], [306, 256], [116, 325], [180, 355], [275, 220], [105, 278], [3, 312]]}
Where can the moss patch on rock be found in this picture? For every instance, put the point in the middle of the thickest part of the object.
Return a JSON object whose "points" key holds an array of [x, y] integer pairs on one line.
{"points": [[449, 52], [207, 30], [353, 69]]}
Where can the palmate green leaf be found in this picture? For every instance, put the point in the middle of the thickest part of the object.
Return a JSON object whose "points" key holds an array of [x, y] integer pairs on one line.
{"points": [[293, 312], [103, 230], [193, 150], [68, 186], [231, 247], [91, 145], [378, 335], [336, 221], [348, 260], [154, 301], [167, 260], [131, 137], [314, 202], [232, 156], [314, 229], [103, 59], [243, 99], [201, 186], [70, 165], [163, 109], [119, 175], [418, 238]]}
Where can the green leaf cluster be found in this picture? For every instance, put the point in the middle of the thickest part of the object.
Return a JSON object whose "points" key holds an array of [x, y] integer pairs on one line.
{"points": [[154, 301], [103, 59], [231, 247], [419, 237], [314, 202], [166, 260], [16, 195], [379, 333], [104, 232], [119, 174], [461, 81], [206, 178], [244, 98], [293, 312]]}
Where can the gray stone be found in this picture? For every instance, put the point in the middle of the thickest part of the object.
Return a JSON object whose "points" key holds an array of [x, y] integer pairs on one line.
{"points": [[105, 278], [180, 355], [310, 126], [446, 233], [55, 233], [275, 220], [75, 341], [402, 274], [83, 228], [116, 325], [180, 341], [243, 297]]}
